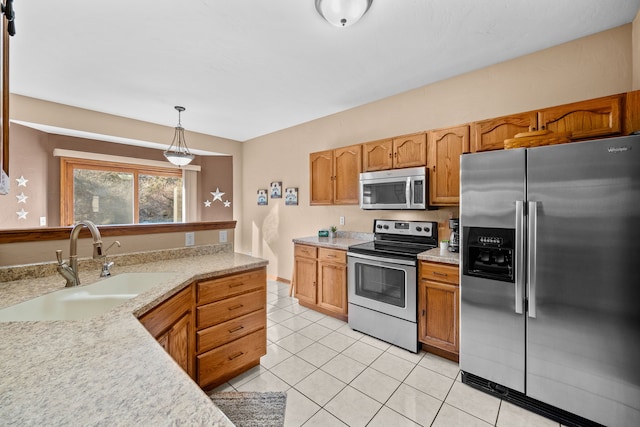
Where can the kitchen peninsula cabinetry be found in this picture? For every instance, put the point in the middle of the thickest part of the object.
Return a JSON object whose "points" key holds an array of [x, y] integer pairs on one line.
{"points": [[395, 153], [589, 119], [230, 326], [335, 176], [443, 161], [171, 324], [321, 279], [438, 309]]}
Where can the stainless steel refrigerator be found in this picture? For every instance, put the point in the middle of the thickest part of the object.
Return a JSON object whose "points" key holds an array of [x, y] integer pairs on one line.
{"points": [[550, 278]]}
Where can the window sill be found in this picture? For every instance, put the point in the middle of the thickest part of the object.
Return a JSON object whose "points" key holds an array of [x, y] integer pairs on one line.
{"points": [[63, 233]]}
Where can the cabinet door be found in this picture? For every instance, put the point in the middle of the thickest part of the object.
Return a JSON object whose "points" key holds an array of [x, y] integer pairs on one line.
{"points": [[321, 171], [347, 168], [439, 311], [443, 160], [332, 287], [632, 112], [180, 343], [586, 119], [305, 279], [410, 151], [377, 155], [490, 134]]}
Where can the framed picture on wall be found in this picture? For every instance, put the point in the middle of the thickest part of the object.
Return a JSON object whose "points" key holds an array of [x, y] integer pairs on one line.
{"points": [[262, 197], [276, 190], [291, 196]]}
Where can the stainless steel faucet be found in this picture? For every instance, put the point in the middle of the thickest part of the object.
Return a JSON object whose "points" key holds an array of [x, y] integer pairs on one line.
{"points": [[70, 271]]}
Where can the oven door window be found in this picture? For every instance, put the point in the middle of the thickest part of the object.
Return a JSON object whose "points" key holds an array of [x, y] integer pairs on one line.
{"points": [[382, 284]]}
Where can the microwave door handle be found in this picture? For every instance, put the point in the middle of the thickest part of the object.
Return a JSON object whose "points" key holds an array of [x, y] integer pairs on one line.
{"points": [[408, 192], [519, 270]]}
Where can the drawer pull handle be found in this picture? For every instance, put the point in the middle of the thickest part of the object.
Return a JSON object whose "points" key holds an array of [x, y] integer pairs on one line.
{"points": [[235, 356], [235, 285], [235, 307], [236, 329], [436, 273], [331, 256]]}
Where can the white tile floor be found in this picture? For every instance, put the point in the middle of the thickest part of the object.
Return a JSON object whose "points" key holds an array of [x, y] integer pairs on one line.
{"points": [[335, 376]]}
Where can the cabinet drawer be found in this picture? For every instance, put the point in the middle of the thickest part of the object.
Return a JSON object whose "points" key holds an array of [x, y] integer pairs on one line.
{"points": [[217, 289], [439, 272], [221, 311], [233, 329], [216, 364], [306, 251], [333, 255]]}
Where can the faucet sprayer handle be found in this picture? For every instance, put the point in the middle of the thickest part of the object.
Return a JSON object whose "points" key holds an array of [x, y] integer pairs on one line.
{"points": [[59, 256], [110, 246]]}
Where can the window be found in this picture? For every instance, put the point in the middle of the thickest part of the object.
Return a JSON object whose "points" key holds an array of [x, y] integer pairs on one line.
{"points": [[108, 193]]}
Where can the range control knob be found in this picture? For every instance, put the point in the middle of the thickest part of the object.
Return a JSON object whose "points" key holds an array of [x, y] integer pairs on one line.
{"points": [[427, 229], [378, 226], [418, 229], [386, 227]]}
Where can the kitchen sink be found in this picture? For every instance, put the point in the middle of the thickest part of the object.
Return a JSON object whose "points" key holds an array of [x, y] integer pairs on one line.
{"points": [[83, 302]]}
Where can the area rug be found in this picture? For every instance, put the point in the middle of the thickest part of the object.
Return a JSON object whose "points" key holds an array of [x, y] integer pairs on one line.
{"points": [[252, 409]]}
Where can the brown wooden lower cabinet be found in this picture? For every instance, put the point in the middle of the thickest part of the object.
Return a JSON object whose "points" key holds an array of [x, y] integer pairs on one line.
{"points": [[214, 329], [439, 309], [320, 279], [171, 323], [231, 326]]}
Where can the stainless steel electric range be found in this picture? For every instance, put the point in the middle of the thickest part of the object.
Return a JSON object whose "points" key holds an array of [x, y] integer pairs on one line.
{"points": [[383, 280]]}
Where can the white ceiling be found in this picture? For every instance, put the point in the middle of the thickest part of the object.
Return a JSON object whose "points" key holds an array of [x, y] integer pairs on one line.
{"points": [[245, 68]]}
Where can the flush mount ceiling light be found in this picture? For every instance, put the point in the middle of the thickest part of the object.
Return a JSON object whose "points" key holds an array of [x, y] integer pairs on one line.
{"points": [[178, 153], [342, 13]]}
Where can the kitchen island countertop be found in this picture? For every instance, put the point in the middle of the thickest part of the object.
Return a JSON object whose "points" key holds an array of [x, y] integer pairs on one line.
{"points": [[107, 370]]}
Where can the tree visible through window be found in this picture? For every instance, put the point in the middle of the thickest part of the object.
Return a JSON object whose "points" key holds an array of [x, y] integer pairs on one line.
{"points": [[119, 194]]}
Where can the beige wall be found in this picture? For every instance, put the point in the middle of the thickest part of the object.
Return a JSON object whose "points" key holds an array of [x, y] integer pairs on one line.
{"points": [[64, 116], [594, 66]]}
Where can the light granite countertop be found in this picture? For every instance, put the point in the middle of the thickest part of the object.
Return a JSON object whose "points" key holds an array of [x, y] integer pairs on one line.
{"points": [[107, 370], [436, 256], [342, 241], [346, 239]]}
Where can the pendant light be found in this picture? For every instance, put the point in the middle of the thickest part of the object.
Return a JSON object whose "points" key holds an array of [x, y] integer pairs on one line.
{"points": [[178, 153], [342, 13]]}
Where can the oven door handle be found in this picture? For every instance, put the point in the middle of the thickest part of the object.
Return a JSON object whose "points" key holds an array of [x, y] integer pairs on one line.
{"points": [[381, 259]]}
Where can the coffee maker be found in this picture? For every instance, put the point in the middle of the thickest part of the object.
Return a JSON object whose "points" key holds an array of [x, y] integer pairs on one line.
{"points": [[454, 239]]}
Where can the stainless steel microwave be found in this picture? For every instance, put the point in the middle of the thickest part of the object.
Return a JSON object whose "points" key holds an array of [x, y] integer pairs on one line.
{"points": [[394, 189]]}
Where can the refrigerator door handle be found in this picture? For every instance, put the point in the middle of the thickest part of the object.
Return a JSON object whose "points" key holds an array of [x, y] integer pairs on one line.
{"points": [[519, 267], [531, 255]]}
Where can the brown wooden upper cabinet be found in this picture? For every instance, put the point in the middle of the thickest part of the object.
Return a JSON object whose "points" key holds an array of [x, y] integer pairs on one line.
{"points": [[395, 153], [443, 161], [585, 119], [335, 176], [632, 112]]}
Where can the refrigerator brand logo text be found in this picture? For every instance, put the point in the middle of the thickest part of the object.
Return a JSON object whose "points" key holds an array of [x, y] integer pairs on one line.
{"points": [[618, 149]]}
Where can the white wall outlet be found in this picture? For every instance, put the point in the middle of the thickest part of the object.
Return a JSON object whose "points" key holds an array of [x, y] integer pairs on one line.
{"points": [[222, 236], [341, 220], [189, 238], [43, 221]]}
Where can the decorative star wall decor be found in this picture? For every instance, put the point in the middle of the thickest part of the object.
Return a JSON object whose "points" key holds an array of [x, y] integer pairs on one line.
{"points": [[22, 198], [217, 195], [22, 214], [22, 182]]}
